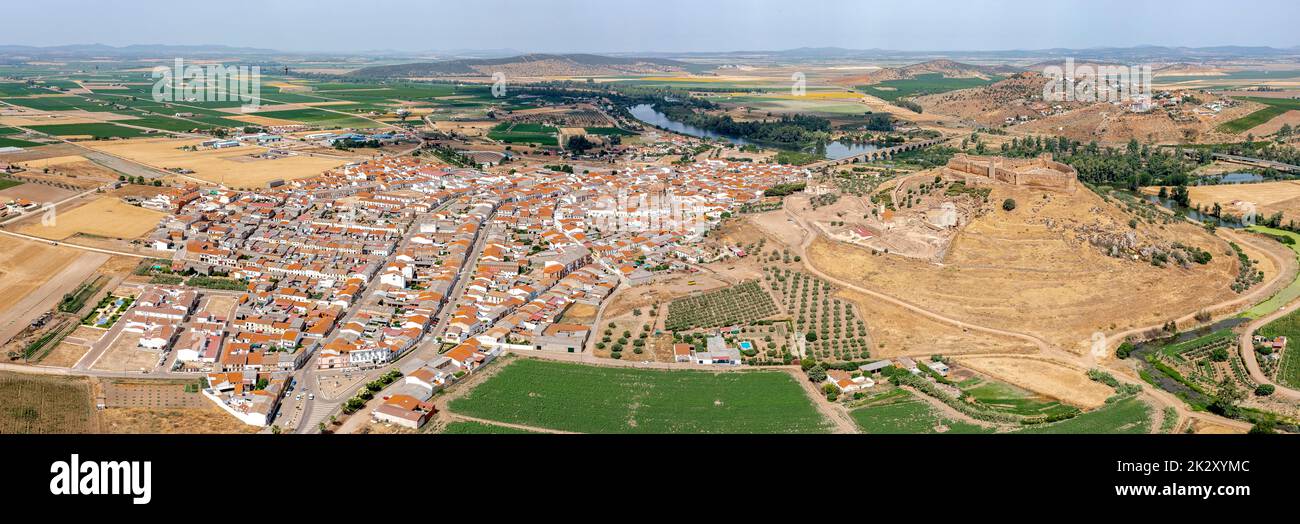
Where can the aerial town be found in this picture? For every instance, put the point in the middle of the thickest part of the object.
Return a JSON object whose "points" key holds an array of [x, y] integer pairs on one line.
{"points": [[220, 239]]}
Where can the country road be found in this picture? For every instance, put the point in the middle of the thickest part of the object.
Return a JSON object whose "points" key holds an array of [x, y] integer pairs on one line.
{"points": [[810, 234], [1045, 349], [1283, 278], [1247, 349]]}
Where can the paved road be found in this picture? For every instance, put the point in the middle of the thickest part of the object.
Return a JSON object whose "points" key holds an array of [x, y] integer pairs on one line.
{"points": [[100, 347], [315, 411], [428, 349], [121, 165]]}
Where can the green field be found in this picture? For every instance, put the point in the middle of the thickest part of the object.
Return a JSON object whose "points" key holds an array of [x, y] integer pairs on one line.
{"points": [[21, 89], [593, 399], [1130, 416], [169, 124], [319, 117], [479, 428], [95, 130], [1287, 294], [907, 414], [927, 84], [739, 304], [6, 183], [512, 133], [1288, 370], [1004, 397], [1276, 107], [1235, 75], [14, 142], [1213, 339], [61, 103]]}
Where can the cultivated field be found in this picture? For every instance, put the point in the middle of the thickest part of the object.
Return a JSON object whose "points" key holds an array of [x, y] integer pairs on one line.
{"points": [[592, 399], [926, 84], [1288, 370], [734, 305], [233, 166], [1268, 197], [45, 404], [1273, 108], [105, 217], [25, 267], [206, 420], [479, 428], [1130, 416], [903, 413]]}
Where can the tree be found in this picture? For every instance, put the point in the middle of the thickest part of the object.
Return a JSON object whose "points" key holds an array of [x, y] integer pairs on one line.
{"points": [[1008, 204], [817, 373], [1264, 427], [579, 144], [810, 336], [1264, 390]]}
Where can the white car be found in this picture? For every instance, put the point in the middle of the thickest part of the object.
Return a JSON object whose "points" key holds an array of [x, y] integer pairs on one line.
{"points": [[311, 396]]}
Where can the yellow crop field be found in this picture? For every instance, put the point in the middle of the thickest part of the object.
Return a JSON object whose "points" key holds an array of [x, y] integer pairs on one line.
{"points": [[106, 217], [236, 167]]}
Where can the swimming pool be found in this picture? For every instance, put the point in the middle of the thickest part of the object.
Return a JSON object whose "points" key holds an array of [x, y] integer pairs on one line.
{"points": [[745, 344]]}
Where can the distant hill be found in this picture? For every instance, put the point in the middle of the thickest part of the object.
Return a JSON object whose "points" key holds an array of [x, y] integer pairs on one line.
{"points": [[528, 65], [947, 68], [130, 51]]}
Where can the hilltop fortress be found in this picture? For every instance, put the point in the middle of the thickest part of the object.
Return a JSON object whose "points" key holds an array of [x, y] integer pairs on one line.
{"points": [[1041, 172]]}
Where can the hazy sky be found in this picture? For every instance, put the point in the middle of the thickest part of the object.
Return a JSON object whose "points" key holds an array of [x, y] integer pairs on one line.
{"points": [[659, 25]]}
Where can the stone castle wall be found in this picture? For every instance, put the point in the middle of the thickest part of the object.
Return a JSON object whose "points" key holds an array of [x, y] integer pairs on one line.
{"points": [[1041, 172]]}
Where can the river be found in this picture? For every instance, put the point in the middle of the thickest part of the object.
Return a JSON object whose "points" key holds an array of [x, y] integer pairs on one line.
{"points": [[833, 150]]}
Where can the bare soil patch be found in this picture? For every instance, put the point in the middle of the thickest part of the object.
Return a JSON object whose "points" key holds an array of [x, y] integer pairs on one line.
{"points": [[1028, 271], [1067, 384]]}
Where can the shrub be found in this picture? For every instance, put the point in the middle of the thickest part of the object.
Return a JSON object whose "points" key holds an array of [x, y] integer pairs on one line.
{"points": [[1008, 204], [1123, 350]]}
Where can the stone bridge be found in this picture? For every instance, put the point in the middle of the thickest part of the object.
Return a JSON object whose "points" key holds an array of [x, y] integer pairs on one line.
{"points": [[1243, 160], [879, 154]]}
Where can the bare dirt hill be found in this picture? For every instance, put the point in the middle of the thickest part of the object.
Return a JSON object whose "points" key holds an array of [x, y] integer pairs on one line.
{"points": [[1016, 96], [1044, 269]]}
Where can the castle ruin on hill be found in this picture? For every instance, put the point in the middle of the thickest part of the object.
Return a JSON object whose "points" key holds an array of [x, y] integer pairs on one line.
{"points": [[1041, 172]]}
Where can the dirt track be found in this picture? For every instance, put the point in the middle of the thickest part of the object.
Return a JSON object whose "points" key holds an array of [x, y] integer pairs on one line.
{"points": [[1162, 398]]}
